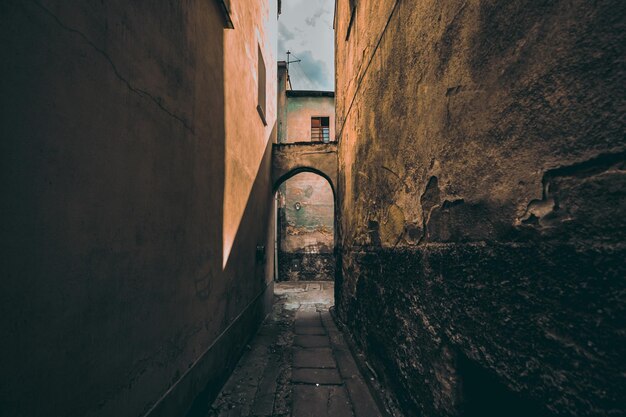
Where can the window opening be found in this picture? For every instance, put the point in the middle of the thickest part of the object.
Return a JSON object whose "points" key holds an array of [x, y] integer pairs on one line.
{"points": [[320, 129], [261, 80]]}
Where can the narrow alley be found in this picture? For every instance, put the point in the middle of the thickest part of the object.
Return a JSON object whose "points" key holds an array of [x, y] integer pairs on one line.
{"points": [[309, 208], [297, 365]]}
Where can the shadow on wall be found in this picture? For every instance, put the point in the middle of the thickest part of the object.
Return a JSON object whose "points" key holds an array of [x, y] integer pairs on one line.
{"points": [[112, 208], [483, 395], [244, 258], [240, 299]]}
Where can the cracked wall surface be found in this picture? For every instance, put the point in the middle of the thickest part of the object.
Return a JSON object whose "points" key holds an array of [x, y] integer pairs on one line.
{"points": [[306, 223], [481, 185], [122, 151]]}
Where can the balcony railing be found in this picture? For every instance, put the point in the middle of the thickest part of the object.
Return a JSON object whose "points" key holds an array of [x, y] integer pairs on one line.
{"points": [[320, 134]]}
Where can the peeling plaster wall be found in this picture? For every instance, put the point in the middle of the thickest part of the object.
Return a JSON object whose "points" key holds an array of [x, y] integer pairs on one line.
{"points": [[481, 184], [131, 148], [315, 210], [306, 250], [290, 159]]}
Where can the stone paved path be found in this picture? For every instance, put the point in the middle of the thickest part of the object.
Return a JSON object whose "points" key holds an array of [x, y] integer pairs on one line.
{"points": [[298, 365]]}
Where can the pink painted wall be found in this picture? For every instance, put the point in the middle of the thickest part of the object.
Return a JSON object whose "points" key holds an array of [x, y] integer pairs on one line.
{"points": [[299, 113]]}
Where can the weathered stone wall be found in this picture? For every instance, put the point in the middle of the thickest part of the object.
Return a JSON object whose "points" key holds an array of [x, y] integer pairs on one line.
{"points": [[305, 266], [481, 179], [309, 210], [306, 224], [135, 172], [293, 158]]}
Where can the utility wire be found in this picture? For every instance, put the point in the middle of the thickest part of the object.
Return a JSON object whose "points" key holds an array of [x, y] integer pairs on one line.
{"points": [[304, 75], [303, 71]]}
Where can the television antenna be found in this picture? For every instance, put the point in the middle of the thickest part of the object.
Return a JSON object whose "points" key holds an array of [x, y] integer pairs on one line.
{"points": [[289, 61]]}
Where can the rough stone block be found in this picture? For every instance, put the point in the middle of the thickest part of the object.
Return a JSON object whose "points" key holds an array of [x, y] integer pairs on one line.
{"points": [[364, 405], [316, 376], [346, 364], [339, 402], [311, 341], [310, 401], [313, 330], [314, 358]]}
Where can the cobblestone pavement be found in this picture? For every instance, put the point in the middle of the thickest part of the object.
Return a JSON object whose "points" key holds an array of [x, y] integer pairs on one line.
{"points": [[298, 365]]}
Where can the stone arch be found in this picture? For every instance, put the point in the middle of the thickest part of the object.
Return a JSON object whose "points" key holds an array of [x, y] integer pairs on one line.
{"points": [[289, 160], [293, 158], [298, 170]]}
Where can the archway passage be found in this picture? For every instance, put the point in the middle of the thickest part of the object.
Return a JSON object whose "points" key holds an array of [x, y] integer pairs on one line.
{"points": [[305, 235], [316, 260], [292, 158], [300, 335]]}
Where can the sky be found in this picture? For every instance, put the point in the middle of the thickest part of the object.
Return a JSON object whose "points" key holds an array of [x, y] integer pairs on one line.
{"points": [[305, 27]]}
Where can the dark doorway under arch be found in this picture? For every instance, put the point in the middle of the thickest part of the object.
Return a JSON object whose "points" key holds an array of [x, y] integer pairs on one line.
{"points": [[305, 228]]}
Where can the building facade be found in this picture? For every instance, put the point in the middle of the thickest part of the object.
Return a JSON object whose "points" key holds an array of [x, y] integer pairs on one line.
{"points": [[136, 210], [306, 202], [304, 115], [481, 183]]}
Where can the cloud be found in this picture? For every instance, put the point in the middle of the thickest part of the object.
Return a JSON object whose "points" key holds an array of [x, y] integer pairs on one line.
{"points": [[310, 74], [305, 29], [284, 34], [312, 20]]}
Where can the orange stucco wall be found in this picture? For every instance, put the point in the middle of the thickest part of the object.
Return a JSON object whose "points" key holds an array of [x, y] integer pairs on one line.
{"points": [[246, 135]]}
